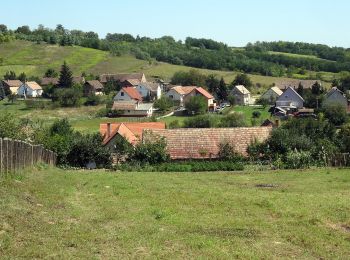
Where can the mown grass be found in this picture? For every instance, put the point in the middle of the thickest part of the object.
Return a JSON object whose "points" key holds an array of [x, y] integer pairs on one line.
{"points": [[51, 213]]}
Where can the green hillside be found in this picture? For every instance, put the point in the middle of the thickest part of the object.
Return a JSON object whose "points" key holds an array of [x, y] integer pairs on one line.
{"points": [[34, 59]]}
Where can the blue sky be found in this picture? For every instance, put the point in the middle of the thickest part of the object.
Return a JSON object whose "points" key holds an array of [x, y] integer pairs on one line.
{"points": [[234, 22]]}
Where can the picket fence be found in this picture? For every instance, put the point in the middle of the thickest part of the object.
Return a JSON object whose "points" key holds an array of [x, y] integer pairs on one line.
{"points": [[16, 155]]}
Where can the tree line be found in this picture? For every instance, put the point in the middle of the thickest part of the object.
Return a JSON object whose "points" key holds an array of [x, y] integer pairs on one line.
{"points": [[199, 53]]}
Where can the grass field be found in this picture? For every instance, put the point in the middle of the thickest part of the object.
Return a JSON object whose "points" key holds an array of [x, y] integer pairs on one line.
{"points": [[52, 213], [34, 59]]}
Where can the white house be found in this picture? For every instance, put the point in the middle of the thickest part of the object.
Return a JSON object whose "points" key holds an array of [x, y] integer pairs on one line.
{"points": [[30, 89], [335, 96], [272, 94], [133, 108], [149, 90], [241, 94], [128, 94], [290, 98]]}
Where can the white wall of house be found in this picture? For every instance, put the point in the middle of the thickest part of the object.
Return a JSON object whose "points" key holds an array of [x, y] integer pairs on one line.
{"points": [[122, 96], [292, 97], [270, 96], [336, 98], [241, 99], [173, 95], [28, 92]]}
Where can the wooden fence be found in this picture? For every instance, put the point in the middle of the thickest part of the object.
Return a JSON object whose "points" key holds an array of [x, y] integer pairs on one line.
{"points": [[16, 155]]}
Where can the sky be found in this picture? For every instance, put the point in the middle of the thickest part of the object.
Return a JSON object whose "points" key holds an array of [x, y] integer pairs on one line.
{"points": [[234, 22]]}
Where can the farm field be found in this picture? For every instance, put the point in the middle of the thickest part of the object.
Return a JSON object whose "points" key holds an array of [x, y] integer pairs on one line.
{"points": [[53, 213]]}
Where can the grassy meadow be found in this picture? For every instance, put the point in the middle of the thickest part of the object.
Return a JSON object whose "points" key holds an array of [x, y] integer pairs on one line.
{"points": [[53, 213], [34, 59]]}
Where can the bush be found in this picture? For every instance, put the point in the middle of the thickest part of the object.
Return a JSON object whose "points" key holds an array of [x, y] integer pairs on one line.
{"points": [[298, 160], [196, 105], [67, 97], [89, 149], [335, 113], [256, 114], [92, 100], [151, 151], [174, 124], [201, 121], [233, 120], [163, 104], [188, 166]]}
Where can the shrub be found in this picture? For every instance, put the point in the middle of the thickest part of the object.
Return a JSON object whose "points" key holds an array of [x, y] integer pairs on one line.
{"points": [[163, 104], [68, 97], [151, 151], [228, 152], [92, 100], [298, 160], [335, 113], [196, 105], [174, 124], [233, 120], [201, 121], [87, 149], [256, 114]]}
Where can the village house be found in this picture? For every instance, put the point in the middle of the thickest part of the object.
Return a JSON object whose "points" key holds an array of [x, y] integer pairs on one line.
{"points": [[335, 96], [133, 108], [198, 91], [203, 143], [241, 94], [48, 81], [290, 99], [93, 87], [149, 91], [272, 94], [178, 93], [131, 131], [30, 89], [283, 84], [12, 85], [132, 79], [128, 94]]}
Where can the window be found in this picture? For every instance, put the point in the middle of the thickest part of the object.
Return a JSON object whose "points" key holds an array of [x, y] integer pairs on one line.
{"points": [[122, 94]]}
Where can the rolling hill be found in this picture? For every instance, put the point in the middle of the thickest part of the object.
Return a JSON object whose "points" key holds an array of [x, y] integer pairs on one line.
{"points": [[34, 59]]}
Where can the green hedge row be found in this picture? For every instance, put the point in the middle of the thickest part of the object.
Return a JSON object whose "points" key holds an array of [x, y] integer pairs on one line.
{"points": [[190, 166]]}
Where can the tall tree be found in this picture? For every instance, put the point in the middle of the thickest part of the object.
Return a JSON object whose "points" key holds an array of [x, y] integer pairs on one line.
{"points": [[212, 83], [222, 92], [10, 75], [66, 78], [300, 89], [242, 79], [22, 77]]}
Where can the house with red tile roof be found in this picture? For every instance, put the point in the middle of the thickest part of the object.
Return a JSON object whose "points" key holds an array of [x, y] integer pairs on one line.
{"points": [[128, 94], [12, 85], [198, 91], [133, 108], [203, 143], [131, 131], [178, 93]]}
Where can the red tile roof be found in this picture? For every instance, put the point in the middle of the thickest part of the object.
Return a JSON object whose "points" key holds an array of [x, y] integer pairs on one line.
{"points": [[204, 92], [201, 143], [132, 93], [131, 131]]}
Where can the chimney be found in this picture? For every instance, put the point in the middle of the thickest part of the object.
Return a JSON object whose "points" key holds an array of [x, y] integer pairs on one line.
{"points": [[108, 130]]}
